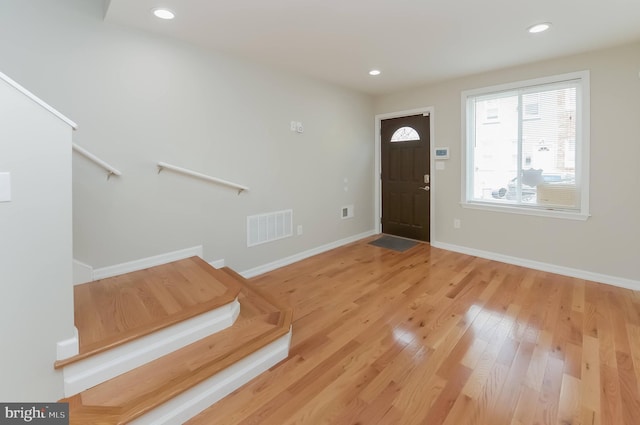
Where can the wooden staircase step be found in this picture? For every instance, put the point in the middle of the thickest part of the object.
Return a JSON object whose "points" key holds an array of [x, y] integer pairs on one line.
{"points": [[113, 311], [133, 394], [260, 300]]}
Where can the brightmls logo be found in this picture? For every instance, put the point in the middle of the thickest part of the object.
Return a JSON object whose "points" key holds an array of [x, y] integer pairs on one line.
{"points": [[34, 413], [28, 415]]}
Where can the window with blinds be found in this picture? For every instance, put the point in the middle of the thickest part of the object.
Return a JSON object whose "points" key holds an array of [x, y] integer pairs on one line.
{"points": [[527, 146]]}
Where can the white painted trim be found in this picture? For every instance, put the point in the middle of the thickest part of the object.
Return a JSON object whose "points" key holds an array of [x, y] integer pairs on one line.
{"points": [[583, 150], [515, 209], [546, 267], [191, 402], [217, 264], [82, 273], [101, 367], [145, 263], [37, 100], [303, 255], [69, 347], [428, 110]]}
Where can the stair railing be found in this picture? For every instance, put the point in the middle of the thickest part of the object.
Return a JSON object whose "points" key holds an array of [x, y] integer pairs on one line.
{"points": [[111, 171], [163, 165]]}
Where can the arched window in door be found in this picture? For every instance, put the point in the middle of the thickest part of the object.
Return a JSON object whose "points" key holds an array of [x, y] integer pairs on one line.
{"points": [[405, 134]]}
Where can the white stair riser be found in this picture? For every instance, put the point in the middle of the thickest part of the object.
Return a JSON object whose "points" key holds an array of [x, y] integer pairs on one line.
{"points": [[99, 368], [196, 399]]}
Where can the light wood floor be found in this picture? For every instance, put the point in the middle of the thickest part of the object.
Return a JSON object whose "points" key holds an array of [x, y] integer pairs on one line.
{"points": [[130, 395], [113, 311], [435, 337]]}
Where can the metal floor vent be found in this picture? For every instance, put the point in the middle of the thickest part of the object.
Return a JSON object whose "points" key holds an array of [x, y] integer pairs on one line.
{"points": [[262, 228]]}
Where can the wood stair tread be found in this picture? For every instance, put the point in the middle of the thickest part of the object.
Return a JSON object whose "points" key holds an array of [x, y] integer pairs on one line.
{"points": [[113, 311], [258, 296], [137, 392]]}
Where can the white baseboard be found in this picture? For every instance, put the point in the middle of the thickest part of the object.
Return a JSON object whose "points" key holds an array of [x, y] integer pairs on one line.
{"points": [[546, 267], [217, 264], [303, 255], [101, 367], [191, 402], [69, 347], [145, 263], [82, 273]]}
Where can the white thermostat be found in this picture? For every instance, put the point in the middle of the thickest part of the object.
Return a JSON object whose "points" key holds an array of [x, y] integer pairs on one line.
{"points": [[441, 153]]}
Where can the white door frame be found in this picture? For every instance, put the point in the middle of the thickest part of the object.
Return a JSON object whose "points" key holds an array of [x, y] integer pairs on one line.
{"points": [[429, 110]]}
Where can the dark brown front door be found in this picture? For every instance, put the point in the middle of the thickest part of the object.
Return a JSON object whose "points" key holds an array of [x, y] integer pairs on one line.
{"points": [[405, 177]]}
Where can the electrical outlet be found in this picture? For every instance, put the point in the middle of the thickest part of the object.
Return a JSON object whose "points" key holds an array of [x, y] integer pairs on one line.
{"points": [[456, 223], [299, 229]]}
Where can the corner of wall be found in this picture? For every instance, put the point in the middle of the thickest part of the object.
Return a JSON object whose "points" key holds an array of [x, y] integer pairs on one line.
{"points": [[82, 273], [105, 8], [69, 347]]}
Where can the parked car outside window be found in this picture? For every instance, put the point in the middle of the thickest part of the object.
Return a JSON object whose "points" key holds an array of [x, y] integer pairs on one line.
{"points": [[530, 180]]}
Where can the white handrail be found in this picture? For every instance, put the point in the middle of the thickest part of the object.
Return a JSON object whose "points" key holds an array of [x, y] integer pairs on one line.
{"points": [[111, 171], [163, 165]]}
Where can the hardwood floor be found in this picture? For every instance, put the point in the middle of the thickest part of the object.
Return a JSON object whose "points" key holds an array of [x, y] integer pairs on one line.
{"points": [[434, 337], [113, 311], [132, 394]]}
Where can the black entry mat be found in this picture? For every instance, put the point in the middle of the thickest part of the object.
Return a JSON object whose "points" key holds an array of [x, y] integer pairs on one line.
{"points": [[394, 243]]}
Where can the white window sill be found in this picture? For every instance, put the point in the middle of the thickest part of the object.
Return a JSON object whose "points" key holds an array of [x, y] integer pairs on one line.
{"points": [[526, 210]]}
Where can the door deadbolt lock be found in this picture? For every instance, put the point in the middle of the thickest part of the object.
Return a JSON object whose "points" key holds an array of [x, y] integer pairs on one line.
{"points": [[426, 179]]}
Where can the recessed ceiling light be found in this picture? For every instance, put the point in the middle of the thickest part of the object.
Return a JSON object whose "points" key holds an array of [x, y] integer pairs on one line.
{"points": [[534, 29], [164, 13], [374, 72]]}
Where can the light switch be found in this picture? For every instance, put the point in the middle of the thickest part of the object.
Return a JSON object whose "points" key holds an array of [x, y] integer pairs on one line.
{"points": [[439, 165], [5, 187]]}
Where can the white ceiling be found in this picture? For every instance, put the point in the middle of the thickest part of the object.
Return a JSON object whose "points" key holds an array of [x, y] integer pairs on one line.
{"points": [[412, 42]]}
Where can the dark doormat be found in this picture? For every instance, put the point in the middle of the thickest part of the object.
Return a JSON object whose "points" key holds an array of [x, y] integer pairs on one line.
{"points": [[394, 243]]}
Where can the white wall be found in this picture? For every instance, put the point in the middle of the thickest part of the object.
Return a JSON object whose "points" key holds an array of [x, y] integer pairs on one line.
{"points": [[607, 243], [36, 305], [140, 98]]}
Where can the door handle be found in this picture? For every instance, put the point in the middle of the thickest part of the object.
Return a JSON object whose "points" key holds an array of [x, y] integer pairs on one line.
{"points": [[426, 188]]}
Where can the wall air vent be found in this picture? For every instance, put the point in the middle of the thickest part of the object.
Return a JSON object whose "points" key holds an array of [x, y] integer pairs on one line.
{"points": [[346, 212], [269, 227]]}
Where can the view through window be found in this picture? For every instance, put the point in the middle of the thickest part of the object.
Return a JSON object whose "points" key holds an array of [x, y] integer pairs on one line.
{"points": [[523, 146]]}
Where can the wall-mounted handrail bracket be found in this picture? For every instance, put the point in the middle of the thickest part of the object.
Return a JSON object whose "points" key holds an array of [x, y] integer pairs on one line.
{"points": [[111, 171], [186, 171]]}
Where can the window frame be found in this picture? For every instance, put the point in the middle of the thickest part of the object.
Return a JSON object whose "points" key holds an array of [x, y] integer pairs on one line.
{"points": [[582, 148]]}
